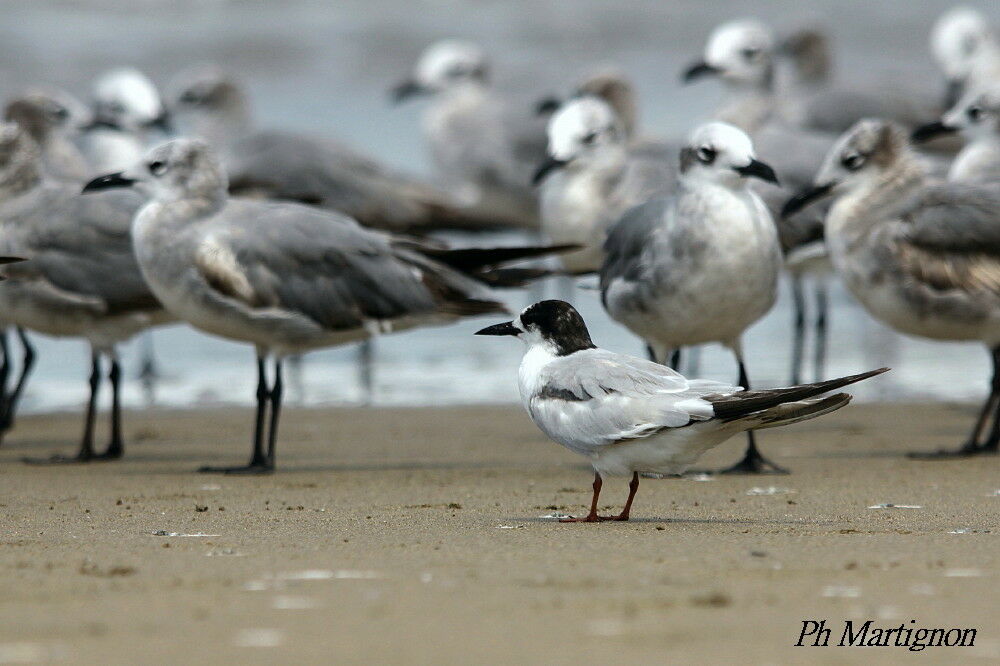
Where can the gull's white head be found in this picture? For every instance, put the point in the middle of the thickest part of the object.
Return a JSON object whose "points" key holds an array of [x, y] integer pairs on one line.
{"points": [[205, 88], [583, 132], [179, 170], [442, 66], [860, 158], [740, 52], [722, 153], [125, 98], [976, 116], [44, 112], [554, 325], [959, 38]]}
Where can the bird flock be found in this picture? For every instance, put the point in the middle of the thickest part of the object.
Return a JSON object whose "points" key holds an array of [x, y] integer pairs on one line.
{"points": [[146, 206]]}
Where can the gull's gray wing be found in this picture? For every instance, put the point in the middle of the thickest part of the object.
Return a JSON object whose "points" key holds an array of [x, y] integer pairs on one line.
{"points": [[79, 247], [950, 238], [837, 109], [323, 266], [627, 240], [324, 172], [596, 397]]}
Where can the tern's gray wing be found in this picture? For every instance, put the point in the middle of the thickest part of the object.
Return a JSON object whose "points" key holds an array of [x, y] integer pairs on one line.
{"points": [[951, 238], [600, 397], [324, 266], [79, 246]]}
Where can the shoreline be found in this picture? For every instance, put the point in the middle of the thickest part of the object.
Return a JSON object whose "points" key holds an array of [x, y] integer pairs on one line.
{"points": [[420, 536]]}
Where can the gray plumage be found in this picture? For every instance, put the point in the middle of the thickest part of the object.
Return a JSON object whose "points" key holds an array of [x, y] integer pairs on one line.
{"points": [[210, 104]]}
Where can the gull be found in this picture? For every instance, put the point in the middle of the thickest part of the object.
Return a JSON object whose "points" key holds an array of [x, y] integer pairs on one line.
{"points": [[921, 256], [590, 178], [966, 49], [813, 99], [207, 102], [742, 53], [617, 90], [480, 143], [631, 416], [977, 118], [81, 279], [284, 277], [129, 115], [702, 265], [54, 119]]}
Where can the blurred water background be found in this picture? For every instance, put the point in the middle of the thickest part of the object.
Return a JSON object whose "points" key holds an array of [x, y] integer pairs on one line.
{"points": [[324, 67]]}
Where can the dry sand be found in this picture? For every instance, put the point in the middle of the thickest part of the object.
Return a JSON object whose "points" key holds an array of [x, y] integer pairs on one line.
{"points": [[416, 537]]}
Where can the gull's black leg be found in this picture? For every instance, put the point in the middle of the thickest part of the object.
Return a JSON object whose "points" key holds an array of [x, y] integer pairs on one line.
{"points": [[86, 452], [753, 462], [277, 390], [675, 360], [651, 354], [972, 447], [149, 371], [366, 369], [820, 340], [798, 330], [116, 446], [258, 461], [4, 375]]}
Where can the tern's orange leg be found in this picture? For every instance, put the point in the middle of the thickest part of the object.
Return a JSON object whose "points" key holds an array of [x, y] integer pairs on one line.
{"points": [[591, 517]]}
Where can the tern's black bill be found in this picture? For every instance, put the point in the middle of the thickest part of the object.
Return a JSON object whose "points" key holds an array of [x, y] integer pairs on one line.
{"points": [[506, 328], [406, 90], [931, 130], [547, 105], [804, 198], [698, 70], [757, 169], [107, 182], [545, 168]]}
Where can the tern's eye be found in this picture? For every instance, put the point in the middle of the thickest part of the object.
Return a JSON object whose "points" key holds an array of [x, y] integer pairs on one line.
{"points": [[116, 108], [853, 161], [706, 154], [750, 53], [589, 138], [974, 113], [190, 97], [157, 168]]}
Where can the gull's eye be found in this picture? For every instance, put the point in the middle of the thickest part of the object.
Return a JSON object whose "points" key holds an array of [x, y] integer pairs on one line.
{"points": [[974, 113], [190, 97], [456, 71], [589, 138], [157, 168], [116, 108], [58, 112], [706, 154], [853, 161], [750, 53]]}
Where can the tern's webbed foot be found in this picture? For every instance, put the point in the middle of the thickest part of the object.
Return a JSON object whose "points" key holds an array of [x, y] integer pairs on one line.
{"points": [[754, 464], [253, 469], [586, 519]]}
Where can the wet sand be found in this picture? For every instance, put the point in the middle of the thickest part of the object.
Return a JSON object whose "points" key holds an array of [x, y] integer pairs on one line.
{"points": [[417, 537]]}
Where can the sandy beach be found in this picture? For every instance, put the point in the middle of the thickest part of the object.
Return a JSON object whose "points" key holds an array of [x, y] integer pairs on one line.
{"points": [[420, 537]]}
